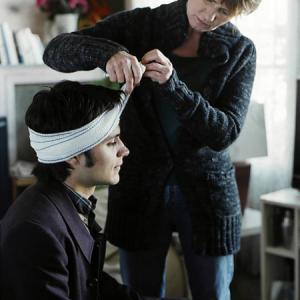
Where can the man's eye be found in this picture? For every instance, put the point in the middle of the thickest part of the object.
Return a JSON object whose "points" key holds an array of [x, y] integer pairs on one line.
{"points": [[112, 143]]}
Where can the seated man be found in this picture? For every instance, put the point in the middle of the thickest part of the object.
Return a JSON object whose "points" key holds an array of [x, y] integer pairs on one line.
{"points": [[51, 247]]}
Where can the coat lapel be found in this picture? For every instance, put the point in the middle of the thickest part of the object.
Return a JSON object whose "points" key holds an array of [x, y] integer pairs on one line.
{"points": [[63, 203]]}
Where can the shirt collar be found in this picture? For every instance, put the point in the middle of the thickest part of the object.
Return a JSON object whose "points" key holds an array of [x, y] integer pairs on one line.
{"points": [[83, 205]]}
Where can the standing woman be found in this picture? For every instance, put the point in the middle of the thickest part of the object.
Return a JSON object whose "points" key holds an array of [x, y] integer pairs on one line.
{"points": [[191, 73]]}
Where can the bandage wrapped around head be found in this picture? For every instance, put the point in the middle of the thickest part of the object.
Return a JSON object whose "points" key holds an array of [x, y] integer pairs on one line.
{"points": [[61, 146]]}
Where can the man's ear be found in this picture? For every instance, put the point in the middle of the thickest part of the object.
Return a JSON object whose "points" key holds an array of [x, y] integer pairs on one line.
{"points": [[74, 161]]}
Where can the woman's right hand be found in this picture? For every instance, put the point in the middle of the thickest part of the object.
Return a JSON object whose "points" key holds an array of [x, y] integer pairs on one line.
{"points": [[123, 67]]}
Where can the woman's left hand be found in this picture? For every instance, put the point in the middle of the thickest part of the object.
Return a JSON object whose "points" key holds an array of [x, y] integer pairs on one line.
{"points": [[158, 66]]}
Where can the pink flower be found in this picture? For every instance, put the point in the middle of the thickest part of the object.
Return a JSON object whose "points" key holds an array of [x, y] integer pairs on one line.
{"points": [[41, 2], [54, 7], [79, 3]]}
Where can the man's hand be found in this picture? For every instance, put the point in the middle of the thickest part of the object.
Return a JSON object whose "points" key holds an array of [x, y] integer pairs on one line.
{"points": [[125, 68], [158, 67]]}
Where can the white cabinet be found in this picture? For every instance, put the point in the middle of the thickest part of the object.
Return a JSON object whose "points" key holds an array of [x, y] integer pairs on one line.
{"points": [[15, 78], [280, 244]]}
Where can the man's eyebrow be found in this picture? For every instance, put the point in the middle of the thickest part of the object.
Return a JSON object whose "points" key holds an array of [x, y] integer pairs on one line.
{"points": [[113, 136]]}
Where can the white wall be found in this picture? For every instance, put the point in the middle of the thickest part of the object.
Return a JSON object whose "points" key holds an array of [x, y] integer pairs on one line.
{"points": [[298, 35], [144, 3], [22, 13]]}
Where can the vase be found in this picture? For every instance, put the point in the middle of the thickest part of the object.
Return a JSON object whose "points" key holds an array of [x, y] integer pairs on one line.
{"points": [[65, 22], [60, 24]]}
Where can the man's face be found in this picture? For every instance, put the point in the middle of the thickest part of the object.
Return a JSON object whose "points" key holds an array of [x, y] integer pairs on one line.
{"points": [[207, 15], [107, 158]]}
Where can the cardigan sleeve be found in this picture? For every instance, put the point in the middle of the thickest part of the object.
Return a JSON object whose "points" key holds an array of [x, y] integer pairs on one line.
{"points": [[92, 47], [215, 125]]}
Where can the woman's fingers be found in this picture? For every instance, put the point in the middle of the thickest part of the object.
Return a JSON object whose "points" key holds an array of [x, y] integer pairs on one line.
{"points": [[125, 68], [138, 70], [153, 55], [158, 66]]}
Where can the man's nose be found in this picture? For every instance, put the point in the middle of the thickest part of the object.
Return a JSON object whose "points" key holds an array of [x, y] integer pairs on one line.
{"points": [[124, 151]]}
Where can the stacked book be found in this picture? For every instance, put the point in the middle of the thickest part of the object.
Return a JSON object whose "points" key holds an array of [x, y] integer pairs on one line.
{"points": [[19, 47]]}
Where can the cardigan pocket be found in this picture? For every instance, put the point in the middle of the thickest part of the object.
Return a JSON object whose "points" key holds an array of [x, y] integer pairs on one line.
{"points": [[223, 192]]}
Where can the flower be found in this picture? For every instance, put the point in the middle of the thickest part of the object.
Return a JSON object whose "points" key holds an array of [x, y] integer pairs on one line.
{"points": [[54, 7], [98, 10]]}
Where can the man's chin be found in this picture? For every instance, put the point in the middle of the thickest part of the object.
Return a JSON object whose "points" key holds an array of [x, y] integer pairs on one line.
{"points": [[115, 180], [111, 181]]}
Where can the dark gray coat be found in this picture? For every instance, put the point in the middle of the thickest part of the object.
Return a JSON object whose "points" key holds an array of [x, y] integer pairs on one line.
{"points": [[46, 251], [211, 119]]}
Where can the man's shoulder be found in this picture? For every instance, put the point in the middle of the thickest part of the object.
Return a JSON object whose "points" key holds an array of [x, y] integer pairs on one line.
{"points": [[40, 196], [34, 205]]}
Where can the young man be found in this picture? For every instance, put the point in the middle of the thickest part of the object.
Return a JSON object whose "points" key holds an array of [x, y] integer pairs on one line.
{"points": [[51, 247]]}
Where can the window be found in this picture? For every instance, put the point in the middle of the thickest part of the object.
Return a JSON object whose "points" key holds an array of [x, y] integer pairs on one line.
{"points": [[273, 28]]}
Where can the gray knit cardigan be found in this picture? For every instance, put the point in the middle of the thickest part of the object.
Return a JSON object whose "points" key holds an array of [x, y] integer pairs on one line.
{"points": [[211, 119]]}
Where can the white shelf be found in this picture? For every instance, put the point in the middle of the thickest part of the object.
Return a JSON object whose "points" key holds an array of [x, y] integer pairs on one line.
{"points": [[279, 263], [21, 66], [280, 251], [288, 197]]}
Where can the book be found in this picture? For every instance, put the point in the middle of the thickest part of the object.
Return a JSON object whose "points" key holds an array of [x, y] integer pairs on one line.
{"points": [[37, 48], [9, 44], [20, 57], [3, 54], [24, 46]]}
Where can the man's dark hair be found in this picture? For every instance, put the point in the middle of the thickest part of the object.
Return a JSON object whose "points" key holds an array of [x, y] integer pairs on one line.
{"points": [[66, 106]]}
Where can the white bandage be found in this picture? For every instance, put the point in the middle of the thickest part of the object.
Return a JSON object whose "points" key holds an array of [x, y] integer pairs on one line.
{"points": [[58, 147]]}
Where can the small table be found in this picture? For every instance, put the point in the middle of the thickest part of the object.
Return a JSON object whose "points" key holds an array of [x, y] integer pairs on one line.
{"points": [[20, 182]]}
